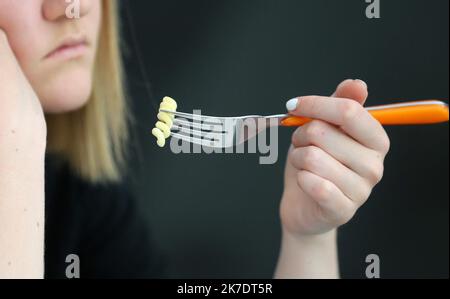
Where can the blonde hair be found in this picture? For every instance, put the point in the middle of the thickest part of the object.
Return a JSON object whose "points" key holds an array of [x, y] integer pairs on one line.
{"points": [[93, 139]]}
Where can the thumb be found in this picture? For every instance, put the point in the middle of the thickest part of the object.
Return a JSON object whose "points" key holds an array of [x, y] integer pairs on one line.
{"points": [[352, 89]]}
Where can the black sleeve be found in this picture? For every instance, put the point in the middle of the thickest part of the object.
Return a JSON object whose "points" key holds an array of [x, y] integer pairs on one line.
{"points": [[116, 241]]}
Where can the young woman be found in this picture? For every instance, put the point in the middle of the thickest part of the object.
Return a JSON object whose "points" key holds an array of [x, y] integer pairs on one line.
{"points": [[63, 130]]}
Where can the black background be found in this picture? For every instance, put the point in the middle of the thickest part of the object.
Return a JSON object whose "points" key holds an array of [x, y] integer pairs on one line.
{"points": [[216, 216]]}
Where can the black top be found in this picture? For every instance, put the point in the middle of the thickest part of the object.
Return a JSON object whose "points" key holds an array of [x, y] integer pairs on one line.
{"points": [[102, 224]]}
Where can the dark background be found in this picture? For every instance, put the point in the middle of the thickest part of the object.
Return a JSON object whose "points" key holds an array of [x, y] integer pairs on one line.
{"points": [[216, 216]]}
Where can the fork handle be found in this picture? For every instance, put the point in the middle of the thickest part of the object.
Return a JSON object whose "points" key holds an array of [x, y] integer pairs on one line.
{"points": [[407, 113]]}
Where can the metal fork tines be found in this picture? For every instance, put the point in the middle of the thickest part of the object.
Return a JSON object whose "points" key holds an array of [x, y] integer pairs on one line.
{"points": [[219, 132]]}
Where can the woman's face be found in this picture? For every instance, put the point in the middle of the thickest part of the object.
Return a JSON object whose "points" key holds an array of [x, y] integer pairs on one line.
{"points": [[56, 52]]}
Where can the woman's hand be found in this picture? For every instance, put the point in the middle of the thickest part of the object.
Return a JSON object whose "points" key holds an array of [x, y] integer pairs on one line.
{"points": [[20, 109], [334, 161], [332, 166], [22, 154]]}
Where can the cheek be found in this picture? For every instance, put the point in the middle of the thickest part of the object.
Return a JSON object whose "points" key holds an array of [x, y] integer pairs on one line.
{"points": [[60, 88], [23, 28], [93, 20]]}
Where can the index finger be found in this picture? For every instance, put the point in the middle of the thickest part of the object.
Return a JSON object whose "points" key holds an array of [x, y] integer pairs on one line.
{"points": [[349, 115]]}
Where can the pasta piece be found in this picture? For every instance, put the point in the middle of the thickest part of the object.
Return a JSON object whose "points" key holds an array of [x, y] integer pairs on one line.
{"points": [[165, 121]]}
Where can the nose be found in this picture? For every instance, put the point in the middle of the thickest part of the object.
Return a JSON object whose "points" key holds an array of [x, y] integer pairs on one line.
{"points": [[54, 10]]}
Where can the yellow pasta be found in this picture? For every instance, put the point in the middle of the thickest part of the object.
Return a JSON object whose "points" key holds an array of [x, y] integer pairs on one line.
{"points": [[165, 121]]}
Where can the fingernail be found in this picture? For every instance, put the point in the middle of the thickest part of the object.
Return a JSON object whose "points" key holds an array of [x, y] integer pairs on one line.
{"points": [[362, 82], [291, 104], [346, 81]]}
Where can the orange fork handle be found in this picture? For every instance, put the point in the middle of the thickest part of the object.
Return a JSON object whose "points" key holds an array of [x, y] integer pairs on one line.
{"points": [[408, 113]]}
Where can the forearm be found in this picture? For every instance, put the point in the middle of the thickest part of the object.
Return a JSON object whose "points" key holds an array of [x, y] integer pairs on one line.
{"points": [[21, 206], [313, 256]]}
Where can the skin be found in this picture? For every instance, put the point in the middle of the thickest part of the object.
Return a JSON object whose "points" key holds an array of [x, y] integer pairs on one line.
{"points": [[34, 29], [30, 84], [332, 166]]}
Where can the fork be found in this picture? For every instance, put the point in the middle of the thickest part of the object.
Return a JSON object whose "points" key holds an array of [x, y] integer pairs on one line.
{"points": [[226, 132]]}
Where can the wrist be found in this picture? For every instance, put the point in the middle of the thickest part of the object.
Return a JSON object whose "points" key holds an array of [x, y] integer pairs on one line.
{"points": [[308, 256], [322, 239]]}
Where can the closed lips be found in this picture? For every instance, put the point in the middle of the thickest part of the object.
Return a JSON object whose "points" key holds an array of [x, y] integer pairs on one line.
{"points": [[70, 47]]}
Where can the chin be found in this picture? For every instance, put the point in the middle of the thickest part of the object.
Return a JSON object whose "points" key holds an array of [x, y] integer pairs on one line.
{"points": [[66, 92]]}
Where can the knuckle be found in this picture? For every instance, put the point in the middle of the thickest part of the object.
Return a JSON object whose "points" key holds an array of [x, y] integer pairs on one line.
{"points": [[363, 194], [350, 110], [367, 190], [311, 156], [385, 144], [314, 130], [375, 173], [322, 191]]}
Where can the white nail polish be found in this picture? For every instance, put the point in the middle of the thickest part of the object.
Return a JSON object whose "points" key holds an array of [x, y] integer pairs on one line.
{"points": [[362, 82], [292, 104]]}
